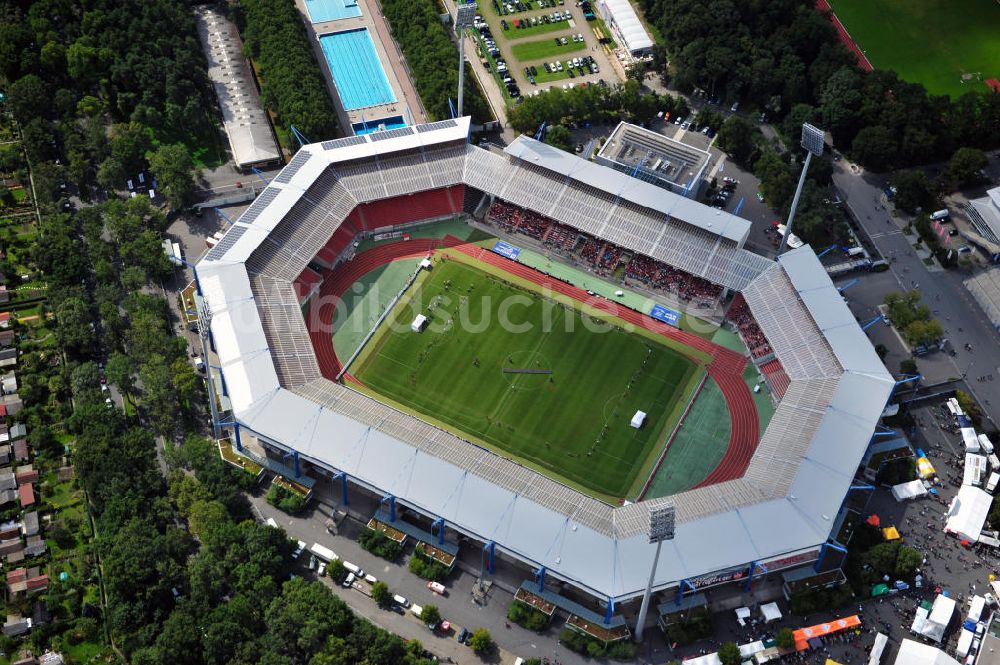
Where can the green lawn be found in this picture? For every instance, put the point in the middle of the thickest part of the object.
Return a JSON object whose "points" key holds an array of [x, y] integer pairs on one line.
{"points": [[572, 423], [540, 29], [928, 41], [545, 49]]}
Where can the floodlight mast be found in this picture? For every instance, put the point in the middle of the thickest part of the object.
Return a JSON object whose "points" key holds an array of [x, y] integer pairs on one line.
{"points": [[661, 527], [465, 15], [812, 141]]}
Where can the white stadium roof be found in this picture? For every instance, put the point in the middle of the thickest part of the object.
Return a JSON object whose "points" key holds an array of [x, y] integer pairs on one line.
{"points": [[784, 505]]}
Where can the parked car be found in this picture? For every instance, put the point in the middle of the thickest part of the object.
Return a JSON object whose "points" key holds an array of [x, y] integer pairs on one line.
{"points": [[438, 588]]}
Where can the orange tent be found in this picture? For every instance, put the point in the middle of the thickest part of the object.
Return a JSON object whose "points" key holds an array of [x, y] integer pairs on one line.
{"points": [[803, 635]]}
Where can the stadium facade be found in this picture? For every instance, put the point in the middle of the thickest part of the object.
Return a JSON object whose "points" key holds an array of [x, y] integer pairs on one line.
{"points": [[779, 515]]}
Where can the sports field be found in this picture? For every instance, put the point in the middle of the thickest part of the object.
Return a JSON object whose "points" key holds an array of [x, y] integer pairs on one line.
{"points": [[569, 416], [932, 42]]}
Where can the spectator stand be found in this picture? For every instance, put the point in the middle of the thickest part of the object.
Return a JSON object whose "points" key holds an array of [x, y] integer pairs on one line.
{"points": [[603, 258]]}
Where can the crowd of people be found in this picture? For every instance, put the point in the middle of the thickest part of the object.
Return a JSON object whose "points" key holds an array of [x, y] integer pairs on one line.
{"points": [[603, 257], [753, 336]]}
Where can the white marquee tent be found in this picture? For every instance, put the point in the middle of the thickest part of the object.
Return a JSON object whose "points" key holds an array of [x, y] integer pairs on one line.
{"points": [[910, 490], [968, 512], [915, 653]]}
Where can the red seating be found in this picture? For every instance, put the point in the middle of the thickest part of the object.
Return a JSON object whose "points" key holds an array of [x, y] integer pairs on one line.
{"points": [[306, 283], [410, 208], [776, 377], [754, 338]]}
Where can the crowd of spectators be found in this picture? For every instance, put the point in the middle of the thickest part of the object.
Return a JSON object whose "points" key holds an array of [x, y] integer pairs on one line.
{"points": [[603, 257], [753, 336]]}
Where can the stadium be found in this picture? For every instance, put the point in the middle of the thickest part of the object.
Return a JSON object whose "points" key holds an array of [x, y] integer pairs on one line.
{"points": [[343, 208]]}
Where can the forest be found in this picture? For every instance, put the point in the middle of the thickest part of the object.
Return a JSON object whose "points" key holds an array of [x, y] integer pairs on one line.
{"points": [[291, 81], [782, 56], [432, 58]]}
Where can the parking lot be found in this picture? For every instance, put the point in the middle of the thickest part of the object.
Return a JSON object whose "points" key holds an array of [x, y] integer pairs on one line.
{"points": [[534, 45]]}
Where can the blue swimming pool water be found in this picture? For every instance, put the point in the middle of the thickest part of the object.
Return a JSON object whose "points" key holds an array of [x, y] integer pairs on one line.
{"points": [[356, 69], [332, 10], [369, 126]]}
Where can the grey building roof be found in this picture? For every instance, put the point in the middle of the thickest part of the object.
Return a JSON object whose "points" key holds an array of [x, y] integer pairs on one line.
{"points": [[783, 506]]}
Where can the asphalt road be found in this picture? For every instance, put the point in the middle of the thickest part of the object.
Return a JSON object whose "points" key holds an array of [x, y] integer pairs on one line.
{"points": [[942, 290]]}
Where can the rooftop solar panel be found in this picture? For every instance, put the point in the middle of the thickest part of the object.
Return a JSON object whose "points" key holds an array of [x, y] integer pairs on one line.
{"points": [[258, 206], [343, 143], [227, 242], [298, 161], [391, 134], [442, 124]]}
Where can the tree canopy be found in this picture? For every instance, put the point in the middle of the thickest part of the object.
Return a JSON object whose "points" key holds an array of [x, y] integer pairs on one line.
{"points": [[291, 80]]}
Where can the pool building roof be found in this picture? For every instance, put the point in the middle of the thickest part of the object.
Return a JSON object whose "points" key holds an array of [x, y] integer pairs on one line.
{"points": [[778, 514]]}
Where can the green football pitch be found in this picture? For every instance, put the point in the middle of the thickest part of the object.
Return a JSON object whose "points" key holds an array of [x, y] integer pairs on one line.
{"points": [[932, 42], [566, 407]]}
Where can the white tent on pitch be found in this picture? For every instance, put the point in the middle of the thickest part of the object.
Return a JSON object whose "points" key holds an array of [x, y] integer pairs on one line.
{"points": [[419, 323], [638, 419]]}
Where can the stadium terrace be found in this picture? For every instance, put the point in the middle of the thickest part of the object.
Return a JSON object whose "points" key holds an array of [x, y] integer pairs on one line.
{"points": [[779, 512]]}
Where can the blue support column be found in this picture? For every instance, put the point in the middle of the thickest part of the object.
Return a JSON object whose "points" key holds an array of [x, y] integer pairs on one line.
{"points": [[295, 459], [224, 216], [753, 567], [680, 591], [211, 341], [343, 486], [854, 488], [851, 283], [608, 613], [439, 523], [540, 574], [822, 554], [826, 251], [298, 136], [490, 548], [236, 431], [392, 506], [260, 175], [868, 325]]}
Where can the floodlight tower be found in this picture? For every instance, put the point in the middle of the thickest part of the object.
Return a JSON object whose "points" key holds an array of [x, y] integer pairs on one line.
{"points": [[465, 16], [661, 527], [812, 141]]}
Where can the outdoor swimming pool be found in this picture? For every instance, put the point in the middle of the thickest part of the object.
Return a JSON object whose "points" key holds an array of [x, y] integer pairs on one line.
{"points": [[357, 72], [332, 10], [369, 126]]}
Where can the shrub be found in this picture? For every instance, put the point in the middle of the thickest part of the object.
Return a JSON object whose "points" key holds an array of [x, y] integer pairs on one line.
{"points": [[336, 570], [282, 499], [380, 594], [423, 566], [431, 615], [380, 544], [482, 642], [696, 626], [589, 646], [527, 616]]}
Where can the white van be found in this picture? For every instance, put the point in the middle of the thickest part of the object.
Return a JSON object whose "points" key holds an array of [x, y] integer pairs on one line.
{"points": [[349, 580], [271, 522], [401, 601], [417, 610], [940, 214], [358, 572]]}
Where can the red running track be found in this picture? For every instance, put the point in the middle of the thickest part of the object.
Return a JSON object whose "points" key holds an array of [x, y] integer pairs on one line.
{"points": [[726, 367], [845, 37]]}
